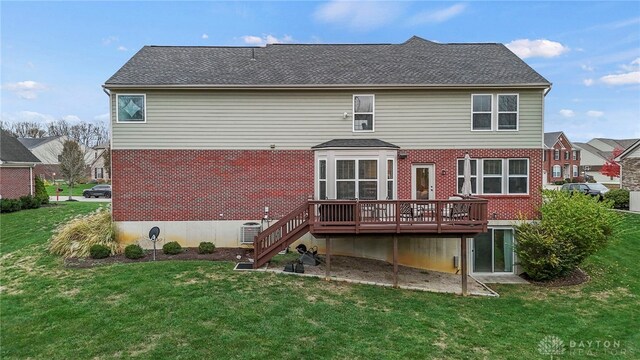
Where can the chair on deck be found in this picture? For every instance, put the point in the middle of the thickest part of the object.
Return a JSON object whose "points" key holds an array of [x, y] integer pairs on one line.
{"points": [[407, 212]]}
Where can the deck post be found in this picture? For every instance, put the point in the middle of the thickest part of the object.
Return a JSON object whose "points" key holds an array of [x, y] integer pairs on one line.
{"points": [[395, 261], [463, 261], [328, 264]]}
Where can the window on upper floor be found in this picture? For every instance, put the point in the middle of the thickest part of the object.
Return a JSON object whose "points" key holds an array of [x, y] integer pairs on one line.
{"points": [[507, 112], [556, 154], [131, 108], [363, 113], [575, 155], [481, 112], [566, 155]]}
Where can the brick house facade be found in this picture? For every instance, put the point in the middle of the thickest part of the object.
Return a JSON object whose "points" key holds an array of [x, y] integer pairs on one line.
{"points": [[16, 168], [561, 160]]}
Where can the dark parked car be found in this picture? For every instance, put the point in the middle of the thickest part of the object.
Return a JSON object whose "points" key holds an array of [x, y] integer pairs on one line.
{"points": [[97, 191], [593, 189]]}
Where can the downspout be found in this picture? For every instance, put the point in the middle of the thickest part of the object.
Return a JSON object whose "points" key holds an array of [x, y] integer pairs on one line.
{"points": [[31, 180]]}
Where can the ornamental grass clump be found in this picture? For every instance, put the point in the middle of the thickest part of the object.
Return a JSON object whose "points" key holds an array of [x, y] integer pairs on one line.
{"points": [[76, 237]]}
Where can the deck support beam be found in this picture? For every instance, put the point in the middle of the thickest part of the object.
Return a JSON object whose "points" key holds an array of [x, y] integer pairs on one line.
{"points": [[395, 261], [328, 258], [463, 262]]}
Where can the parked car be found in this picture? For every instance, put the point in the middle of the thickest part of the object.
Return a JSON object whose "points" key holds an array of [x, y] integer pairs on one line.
{"points": [[593, 189], [97, 191]]}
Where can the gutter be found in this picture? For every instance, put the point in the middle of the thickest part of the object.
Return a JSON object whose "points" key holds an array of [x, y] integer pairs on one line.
{"points": [[545, 86]]}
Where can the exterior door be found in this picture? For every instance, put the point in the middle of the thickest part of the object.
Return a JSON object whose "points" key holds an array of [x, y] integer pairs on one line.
{"points": [[423, 182], [493, 251]]}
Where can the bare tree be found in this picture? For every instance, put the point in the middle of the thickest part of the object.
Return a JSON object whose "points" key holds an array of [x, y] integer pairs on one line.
{"points": [[72, 164], [107, 161], [28, 129]]}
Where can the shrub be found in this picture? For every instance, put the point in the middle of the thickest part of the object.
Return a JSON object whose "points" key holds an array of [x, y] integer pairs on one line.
{"points": [[133, 251], [76, 237], [41, 190], [172, 248], [10, 205], [619, 197], [558, 182], [29, 202], [206, 248], [572, 227], [99, 251]]}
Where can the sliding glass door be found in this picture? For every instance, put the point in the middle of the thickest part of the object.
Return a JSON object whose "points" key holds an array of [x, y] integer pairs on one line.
{"points": [[493, 251]]}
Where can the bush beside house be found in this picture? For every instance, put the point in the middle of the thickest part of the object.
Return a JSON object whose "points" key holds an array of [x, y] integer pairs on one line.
{"points": [[572, 227]]}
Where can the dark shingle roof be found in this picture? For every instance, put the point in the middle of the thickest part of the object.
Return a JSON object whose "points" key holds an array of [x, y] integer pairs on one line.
{"points": [[31, 143], [355, 143], [416, 62], [595, 151], [551, 138], [11, 150]]}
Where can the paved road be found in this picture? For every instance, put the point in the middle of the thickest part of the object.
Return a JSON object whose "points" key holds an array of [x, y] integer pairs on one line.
{"points": [[79, 198]]}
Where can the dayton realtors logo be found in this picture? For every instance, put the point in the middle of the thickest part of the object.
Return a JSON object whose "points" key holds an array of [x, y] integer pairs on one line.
{"points": [[551, 345]]}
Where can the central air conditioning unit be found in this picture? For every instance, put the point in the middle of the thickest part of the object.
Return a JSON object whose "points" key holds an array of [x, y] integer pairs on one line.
{"points": [[248, 232]]}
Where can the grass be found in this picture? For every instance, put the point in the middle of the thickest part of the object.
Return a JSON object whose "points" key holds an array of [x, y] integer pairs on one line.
{"points": [[76, 191], [199, 309]]}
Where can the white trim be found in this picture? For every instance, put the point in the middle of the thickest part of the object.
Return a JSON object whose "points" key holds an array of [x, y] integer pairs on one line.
{"points": [[501, 176], [357, 179], [332, 86], [394, 173], [504, 176], [498, 112], [458, 176], [509, 176], [482, 112], [553, 171], [556, 151], [144, 100], [317, 178], [353, 112]]}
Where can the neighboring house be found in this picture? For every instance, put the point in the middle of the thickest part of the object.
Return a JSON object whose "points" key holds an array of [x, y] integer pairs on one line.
{"points": [[629, 162], [206, 139], [595, 154], [98, 170], [561, 158], [49, 151], [16, 168]]}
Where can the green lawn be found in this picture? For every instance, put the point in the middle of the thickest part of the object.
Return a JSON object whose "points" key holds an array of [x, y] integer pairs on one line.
{"points": [[76, 191], [202, 309]]}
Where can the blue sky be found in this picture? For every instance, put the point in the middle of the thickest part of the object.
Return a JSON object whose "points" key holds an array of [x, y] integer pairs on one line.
{"points": [[55, 55]]}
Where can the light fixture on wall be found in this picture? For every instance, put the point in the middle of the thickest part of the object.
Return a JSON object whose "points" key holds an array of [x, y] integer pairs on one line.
{"points": [[345, 115], [273, 146], [443, 172], [402, 155]]}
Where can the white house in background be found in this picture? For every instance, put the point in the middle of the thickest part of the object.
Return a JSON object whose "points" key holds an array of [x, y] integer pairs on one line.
{"points": [[595, 153], [98, 169], [49, 151], [629, 162]]}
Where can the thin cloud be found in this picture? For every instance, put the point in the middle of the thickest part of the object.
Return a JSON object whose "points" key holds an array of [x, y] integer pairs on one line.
{"points": [[72, 118], [586, 67], [266, 39], [359, 16], [102, 117], [526, 48], [205, 36], [587, 82], [28, 89], [122, 48], [567, 113], [438, 16], [630, 76], [595, 113], [109, 40]]}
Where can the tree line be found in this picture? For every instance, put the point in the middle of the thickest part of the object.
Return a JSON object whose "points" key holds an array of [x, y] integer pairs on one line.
{"points": [[85, 133]]}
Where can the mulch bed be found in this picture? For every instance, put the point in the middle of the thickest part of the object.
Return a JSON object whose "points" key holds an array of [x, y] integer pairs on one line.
{"points": [[220, 254], [576, 277]]}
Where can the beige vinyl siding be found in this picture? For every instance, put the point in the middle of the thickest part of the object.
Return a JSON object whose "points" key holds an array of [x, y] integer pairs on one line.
{"points": [[411, 119]]}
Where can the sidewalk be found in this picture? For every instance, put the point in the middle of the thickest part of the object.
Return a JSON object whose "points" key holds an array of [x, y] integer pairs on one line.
{"points": [[78, 198]]}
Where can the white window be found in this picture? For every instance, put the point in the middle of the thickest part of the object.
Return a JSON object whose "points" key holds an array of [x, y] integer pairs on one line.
{"points": [[322, 179], [566, 155], [492, 176], [557, 171], [575, 170], [131, 108], [481, 112], [518, 176], [575, 155], [474, 175], [357, 179], [390, 179], [507, 112], [363, 113], [556, 154]]}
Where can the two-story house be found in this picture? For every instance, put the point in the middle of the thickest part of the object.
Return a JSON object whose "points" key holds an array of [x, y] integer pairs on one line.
{"points": [[561, 158], [354, 144], [49, 150]]}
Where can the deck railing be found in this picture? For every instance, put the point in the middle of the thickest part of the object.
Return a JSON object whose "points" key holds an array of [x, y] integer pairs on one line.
{"points": [[398, 216]]}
